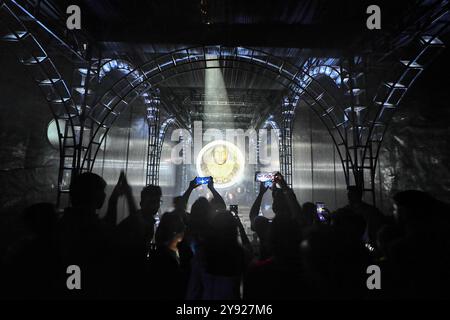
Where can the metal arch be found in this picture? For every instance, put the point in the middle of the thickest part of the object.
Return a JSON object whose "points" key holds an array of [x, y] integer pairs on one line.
{"points": [[269, 122], [108, 65], [164, 127], [309, 104], [49, 81], [161, 138], [121, 90], [287, 117], [156, 138], [330, 71], [153, 122], [403, 82], [318, 113], [61, 40], [336, 125], [175, 63], [272, 123]]}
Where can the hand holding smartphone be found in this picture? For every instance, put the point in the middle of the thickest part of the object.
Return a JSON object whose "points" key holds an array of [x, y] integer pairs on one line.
{"points": [[265, 177], [202, 180]]}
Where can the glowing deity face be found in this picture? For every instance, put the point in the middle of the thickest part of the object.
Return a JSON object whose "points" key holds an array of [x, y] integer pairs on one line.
{"points": [[223, 161], [220, 154]]}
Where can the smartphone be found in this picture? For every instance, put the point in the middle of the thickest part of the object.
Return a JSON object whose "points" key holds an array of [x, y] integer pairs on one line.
{"points": [[320, 210], [202, 180], [265, 177], [234, 209]]}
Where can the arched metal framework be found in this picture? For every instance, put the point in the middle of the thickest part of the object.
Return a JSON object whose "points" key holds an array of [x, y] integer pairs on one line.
{"points": [[356, 125], [154, 150], [32, 54], [296, 79]]}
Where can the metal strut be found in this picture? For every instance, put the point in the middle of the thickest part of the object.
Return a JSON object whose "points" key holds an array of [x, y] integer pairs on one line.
{"points": [[287, 115], [153, 104]]}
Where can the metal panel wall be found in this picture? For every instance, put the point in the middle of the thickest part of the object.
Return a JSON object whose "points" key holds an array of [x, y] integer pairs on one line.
{"points": [[317, 170], [125, 149]]}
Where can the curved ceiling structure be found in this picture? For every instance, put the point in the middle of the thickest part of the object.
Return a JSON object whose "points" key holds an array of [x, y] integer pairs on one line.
{"points": [[333, 77]]}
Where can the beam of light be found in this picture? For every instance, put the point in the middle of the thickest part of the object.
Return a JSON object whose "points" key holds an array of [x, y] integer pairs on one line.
{"points": [[215, 90]]}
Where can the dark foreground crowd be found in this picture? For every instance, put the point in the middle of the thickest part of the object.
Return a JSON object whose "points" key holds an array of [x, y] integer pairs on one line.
{"points": [[205, 254]]}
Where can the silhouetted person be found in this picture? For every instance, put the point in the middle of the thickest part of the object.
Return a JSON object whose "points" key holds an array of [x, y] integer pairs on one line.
{"points": [[218, 266], [309, 215], [335, 259], [217, 202], [373, 217], [85, 239], [180, 209], [200, 218], [421, 254], [262, 229], [138, 228], [284, 205], [133, 237], [202, 211], [185, 246], [167, 279], [280, 276], [33, 264]]}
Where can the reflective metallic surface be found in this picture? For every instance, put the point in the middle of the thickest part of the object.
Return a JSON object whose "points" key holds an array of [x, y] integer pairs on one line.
{"points": [[317, 170], [125, 149]]}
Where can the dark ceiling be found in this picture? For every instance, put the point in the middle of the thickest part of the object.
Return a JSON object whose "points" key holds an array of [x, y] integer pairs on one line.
{"points": [[272, 23]]}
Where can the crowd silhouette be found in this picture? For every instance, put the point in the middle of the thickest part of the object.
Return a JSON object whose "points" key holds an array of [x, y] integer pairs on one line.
{"points": [[204, 253]]}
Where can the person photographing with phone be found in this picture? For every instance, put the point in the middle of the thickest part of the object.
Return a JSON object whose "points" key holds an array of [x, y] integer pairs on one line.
{"points": [[276, 273], [284, 201]]}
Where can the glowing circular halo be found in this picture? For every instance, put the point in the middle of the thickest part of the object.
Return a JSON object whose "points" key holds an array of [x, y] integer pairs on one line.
{"points": [[223, 161]]}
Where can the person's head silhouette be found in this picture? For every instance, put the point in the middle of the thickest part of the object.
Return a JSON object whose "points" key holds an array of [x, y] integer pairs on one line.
{"points": [[279, 205], [88, 191], [309, 213], [170, 231], [224, 227], [354, 194], [201, 213], [151, 200]]}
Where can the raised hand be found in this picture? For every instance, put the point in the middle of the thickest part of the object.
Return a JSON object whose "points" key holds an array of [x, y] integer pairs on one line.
{"points": [[193, 184], [278, 178], [125, 186], [211, 183], [262, 188], [118, 188]]}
